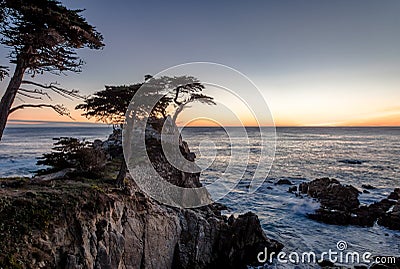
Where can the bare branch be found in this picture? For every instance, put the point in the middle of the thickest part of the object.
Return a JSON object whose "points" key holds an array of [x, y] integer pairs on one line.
{"points": [[53, 86], [60, 109], [30, 96], [36, 91]]}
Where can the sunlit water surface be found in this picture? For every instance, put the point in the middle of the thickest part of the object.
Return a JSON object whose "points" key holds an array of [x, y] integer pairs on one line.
{"points": [[302, 154]]}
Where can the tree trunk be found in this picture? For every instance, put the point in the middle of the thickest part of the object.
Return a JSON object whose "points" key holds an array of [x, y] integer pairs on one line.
{"points": [[122, 173], [8, 98], [177, 112]]}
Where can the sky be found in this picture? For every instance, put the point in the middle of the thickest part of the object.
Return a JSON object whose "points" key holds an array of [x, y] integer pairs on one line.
{"points": [[316, 63]]}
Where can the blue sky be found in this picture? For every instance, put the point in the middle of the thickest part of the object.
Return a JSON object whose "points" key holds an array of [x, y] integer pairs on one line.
{"points": [[316, 62]]}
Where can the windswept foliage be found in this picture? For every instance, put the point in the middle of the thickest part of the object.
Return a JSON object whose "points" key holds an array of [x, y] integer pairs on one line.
{"points": [[111, 104], [42, 36], [71, 152]]}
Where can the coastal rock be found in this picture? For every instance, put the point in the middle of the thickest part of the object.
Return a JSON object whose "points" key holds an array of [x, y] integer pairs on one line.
{"points": [[284, 182], [57, 175], [340, 205], [113, 145], [332, 194], [391, 219], [395, 195], [367, 215], [89, 227], [368, 187], [160, 162], [89, 223], [292, 189]]}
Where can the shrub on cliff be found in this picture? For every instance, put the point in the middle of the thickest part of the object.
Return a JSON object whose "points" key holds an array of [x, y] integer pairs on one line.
{"points": [[73, 153]]}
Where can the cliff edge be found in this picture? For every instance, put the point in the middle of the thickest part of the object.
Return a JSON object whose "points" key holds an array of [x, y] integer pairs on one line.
{"points": [[73, 222]]}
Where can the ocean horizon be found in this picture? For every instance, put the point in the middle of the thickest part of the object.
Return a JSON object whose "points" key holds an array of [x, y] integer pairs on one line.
{"points": [[353, 155]]}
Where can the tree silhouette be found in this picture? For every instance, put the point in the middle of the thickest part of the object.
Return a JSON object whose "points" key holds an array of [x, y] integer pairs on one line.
{"points": [[110, 105], [184, 90], [42, 36]]}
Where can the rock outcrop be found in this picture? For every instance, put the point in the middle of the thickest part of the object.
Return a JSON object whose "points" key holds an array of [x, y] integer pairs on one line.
{"points": [[89, 223], [68, 224], [340, 205], [332, 194]]}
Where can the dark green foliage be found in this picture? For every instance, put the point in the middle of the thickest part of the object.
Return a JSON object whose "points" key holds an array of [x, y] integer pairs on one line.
{"points": [[72, 153], [43, 34], [109, 105]]}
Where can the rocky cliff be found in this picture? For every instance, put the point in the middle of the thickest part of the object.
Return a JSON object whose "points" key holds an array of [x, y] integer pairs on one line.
{"points": [[76, 222]]}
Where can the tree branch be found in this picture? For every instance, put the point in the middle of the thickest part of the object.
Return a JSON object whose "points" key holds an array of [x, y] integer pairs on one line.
{"points": [[36, 91], [177, 95], [60, 109], [52, 86], [30, 96]]}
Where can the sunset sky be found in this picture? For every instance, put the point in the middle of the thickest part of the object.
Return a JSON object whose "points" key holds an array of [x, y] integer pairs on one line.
{"points": [[317, 63]]}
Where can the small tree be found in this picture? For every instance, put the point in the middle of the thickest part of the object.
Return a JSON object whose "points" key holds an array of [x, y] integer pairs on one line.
{"points": [[42, 36], [69, 152]]}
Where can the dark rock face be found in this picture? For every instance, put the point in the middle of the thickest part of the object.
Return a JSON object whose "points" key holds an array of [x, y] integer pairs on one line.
{"points": [[368, 187], [391, 219], [223, 249], [326, 263], [340, 205], [292, 189], [332, 194], [90, 228], [167, 171], [367, 215], [284, 182], [395, 195], [72, 224]]}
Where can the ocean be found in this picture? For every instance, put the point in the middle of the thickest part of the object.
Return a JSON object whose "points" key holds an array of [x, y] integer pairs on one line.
{"points": [[352, 155]]}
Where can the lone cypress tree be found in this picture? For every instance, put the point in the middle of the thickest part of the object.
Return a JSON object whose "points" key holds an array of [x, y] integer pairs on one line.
{"points": [[42, 36]]}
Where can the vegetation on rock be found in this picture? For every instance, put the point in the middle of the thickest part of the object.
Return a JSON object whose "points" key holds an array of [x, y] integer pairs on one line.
{"points": [[72, 153]]}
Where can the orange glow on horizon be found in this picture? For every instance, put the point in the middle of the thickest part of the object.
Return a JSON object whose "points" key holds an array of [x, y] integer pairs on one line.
{"points": [[391, 117]]}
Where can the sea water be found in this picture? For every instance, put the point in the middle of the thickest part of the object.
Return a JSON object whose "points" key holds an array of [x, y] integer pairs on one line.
{"points": [[352, 155]]}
